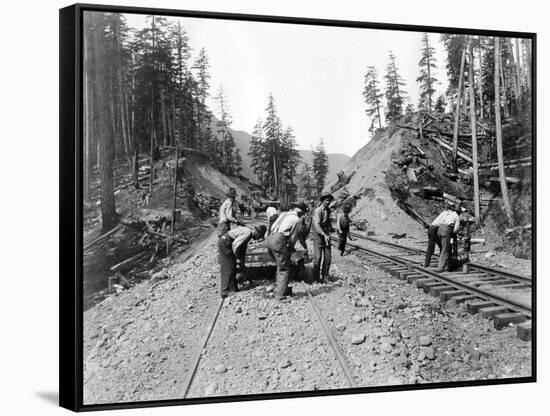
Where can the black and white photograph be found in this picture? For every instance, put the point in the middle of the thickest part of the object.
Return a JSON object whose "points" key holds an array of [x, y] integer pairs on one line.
{"points": [[273, 208]]}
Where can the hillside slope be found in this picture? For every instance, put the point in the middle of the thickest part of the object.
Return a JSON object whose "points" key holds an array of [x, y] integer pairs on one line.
{"points": [[376, 204]]}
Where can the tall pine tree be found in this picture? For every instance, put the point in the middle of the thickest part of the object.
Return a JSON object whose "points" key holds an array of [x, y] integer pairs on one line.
{"points": [[426, 78], [320, 166], [373, 96], [395, 95]]}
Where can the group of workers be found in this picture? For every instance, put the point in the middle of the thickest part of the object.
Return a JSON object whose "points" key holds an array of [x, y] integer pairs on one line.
{"points": [[291, 226], [284, 230]]}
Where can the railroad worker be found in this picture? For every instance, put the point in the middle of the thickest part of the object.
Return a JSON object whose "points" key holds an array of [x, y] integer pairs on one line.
{"points": [[272, 214], [280, 243], [232, 249], [440, 232], [322, 227], [228, 213], [305, 228], [343, 223]]}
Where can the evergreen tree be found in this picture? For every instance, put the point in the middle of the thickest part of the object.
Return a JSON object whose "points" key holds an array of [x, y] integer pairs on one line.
{"points": [[373, 95], [273, 151], [95, 24], [306, 185], [395, 95], [454, 45], [426, 77], [320, 166], [440, 104], [226, 158], [201, 67], [259, 158]]}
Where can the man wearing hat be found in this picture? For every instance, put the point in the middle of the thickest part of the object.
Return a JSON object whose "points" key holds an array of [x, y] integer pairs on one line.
{"points": [[440, 232], [280, 243], [322, 227], [228, 212], [232, 249]]}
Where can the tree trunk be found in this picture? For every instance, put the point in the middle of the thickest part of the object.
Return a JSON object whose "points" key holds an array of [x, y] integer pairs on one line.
{"points": [[498, 128], [108, 213], [527, 45], [474, 135], [504, 95], [518, 68], [151, 163], [174, 195], [163, 117], [136, 165], [513, 75], [481, 115], [457, 110], [113, 118], [88, 108]]}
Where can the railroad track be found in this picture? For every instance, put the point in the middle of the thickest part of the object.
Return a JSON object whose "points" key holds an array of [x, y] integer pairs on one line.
{"points": [[340, 357], [406, 263], [456, 288], [498, 276]]}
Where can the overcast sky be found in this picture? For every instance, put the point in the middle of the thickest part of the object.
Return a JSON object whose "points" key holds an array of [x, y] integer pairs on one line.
{"points": [[315, 73]]}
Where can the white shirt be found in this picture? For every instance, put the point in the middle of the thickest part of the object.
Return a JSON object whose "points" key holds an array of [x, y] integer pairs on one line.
{"points": [[270, 211], [448, 217], [288, 224], [239, 236], [227, 211]]}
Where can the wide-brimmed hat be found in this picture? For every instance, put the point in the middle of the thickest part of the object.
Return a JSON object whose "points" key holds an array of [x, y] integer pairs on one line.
{"points": [[260, 230], [326, 195], [300, 205], [232, 192]]}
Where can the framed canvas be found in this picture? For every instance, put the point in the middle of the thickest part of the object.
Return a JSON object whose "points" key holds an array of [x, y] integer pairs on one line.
{"points": [[260, 207]]}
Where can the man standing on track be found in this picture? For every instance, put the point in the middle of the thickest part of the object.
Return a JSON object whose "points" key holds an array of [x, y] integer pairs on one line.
{"points": [[342, 226], [232, 249], [280, 243], [440, 232], [322, 227], [228, 213]]}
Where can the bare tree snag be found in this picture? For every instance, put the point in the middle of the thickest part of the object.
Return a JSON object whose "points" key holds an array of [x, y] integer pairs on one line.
{"points": [[474, 131], [498, 128], [457, 110]]}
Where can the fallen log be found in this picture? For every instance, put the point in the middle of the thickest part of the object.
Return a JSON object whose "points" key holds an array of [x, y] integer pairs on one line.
{"points": [[450, 148], [102, 237], [152, 232], [128, 261], [443, 133]]}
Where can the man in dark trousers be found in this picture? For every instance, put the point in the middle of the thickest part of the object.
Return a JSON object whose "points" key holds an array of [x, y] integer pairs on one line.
{"points": [[228, 213], [322, 227], [280, 243], [440, 232], [232, 248], [342, 226]]}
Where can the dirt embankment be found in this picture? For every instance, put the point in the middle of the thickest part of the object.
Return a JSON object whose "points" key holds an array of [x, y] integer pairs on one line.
{"points": [[201, 189], [392, 170]]}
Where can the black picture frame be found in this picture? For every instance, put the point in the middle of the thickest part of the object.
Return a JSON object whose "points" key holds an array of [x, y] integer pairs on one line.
{"points": [[71, 202]]}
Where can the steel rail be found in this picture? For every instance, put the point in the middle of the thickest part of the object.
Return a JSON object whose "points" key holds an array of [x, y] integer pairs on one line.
{"points": [[486, 269], [333, 343], [198, 354], [515, 306]]}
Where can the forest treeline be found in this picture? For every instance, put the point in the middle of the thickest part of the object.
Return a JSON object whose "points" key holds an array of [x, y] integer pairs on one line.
{"points": [[388, 103], [488, 77], [144, 91]]}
